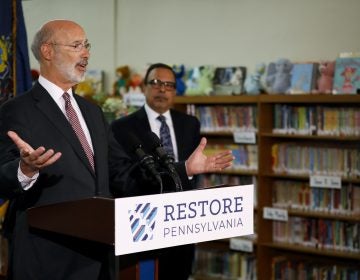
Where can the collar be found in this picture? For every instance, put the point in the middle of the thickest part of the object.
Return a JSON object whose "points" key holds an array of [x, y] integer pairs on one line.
{"points": [[152, 115], [54, 91]]}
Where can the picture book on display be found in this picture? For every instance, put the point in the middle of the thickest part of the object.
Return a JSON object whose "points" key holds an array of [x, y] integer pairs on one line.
{"points": [[347, 75], [229, 80], [303, 78]]}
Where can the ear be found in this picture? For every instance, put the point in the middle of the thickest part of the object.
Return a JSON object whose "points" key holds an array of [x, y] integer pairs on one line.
{"points": [[46, 51]]}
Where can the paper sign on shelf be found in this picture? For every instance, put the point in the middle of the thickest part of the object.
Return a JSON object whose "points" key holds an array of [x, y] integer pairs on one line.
{"points": [[276, 214], [245, 137], [332, 182], [241, 244]]}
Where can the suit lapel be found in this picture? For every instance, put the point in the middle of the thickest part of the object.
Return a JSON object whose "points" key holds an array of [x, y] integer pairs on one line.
{"points": [[47, 105], [142, 127], [179, 130]]}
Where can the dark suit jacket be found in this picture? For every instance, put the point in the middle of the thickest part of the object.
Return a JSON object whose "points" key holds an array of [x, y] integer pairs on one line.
{"points": [[187, 133], [39, 121]]}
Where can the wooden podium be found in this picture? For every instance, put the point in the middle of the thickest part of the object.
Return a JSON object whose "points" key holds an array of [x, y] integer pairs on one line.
{"points": [[90, 219], [145, 223]]}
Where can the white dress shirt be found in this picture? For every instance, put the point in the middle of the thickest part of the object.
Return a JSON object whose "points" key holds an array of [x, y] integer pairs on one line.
{"points": [[155, 126], [56, 93]]}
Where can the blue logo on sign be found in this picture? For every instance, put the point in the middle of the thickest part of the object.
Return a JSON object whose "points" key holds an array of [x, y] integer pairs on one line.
{"points": [[142, 220]]}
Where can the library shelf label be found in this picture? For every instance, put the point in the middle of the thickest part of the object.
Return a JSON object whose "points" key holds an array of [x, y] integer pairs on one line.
{"points": [[246, 137], [134, 99], [331, 182], [275, 214], [170, 219], [240, 244]]}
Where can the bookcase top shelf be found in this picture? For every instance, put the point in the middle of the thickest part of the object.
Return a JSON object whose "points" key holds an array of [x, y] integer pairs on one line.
{"points": [[216, 99], [270, 98]]}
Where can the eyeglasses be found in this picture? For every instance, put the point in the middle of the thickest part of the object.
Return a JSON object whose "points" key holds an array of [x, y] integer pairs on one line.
{"points": [[77, 47], [157, 84]]}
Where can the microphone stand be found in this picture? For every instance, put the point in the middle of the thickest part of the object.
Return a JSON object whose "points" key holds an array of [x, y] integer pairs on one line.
{"points": [[145, 161], [166, 160], [175, 177]]}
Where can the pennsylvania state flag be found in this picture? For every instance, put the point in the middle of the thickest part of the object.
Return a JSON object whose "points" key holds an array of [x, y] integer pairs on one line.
{"points": [[15, 74]]}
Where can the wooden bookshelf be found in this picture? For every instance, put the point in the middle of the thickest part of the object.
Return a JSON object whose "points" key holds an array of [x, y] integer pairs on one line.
{"points": [[266, 248]]}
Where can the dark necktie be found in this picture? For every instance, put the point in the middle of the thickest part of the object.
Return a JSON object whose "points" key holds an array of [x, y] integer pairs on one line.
{"points": [[75, 123], [165, 136]]}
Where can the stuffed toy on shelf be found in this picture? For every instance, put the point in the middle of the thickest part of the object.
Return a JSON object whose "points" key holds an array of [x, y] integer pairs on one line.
{"points": [[179, 71], [200, 81], [121, 85], [326, 77]]}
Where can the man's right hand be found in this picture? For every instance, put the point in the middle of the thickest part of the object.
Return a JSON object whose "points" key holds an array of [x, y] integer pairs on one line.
{"points": [[31, 161]]}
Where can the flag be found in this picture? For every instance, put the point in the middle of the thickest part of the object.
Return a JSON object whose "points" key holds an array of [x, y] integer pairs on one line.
{"points": [[15, 74]]}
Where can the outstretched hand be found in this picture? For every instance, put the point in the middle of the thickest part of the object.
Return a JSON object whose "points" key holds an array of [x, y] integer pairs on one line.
{"points": [[31, 161], [199, 163]]}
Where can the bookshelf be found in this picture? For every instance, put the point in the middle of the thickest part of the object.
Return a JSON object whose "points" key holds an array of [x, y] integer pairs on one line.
{"points": [[218, 260], [318, 135]]}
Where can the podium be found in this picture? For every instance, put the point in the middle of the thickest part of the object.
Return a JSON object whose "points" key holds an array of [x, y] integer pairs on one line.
{"points": [[90, 219], [143, 223]]}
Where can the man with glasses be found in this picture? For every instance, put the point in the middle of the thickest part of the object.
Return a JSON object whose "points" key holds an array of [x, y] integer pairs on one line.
{"points": [[55, 146], [160, 90]]}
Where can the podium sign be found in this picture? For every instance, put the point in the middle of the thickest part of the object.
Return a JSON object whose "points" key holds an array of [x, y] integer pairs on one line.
{"points": [[164, 220]]}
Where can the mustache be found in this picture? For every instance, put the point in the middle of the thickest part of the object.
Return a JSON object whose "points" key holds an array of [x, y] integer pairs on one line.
{"points": [[83, 62], [160, 97]]}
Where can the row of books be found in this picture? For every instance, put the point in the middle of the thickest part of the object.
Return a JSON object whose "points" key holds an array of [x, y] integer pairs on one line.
{"points": [[228, 265], [287, 269], [318, 233], [300, 196], [245, 156], [225, 118], [316, 120], [208, 180], [297, 159], [220, 179]]}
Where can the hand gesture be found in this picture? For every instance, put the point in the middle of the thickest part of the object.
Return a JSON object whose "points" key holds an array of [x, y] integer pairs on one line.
{"points": [[31, 161], [199, 163]]}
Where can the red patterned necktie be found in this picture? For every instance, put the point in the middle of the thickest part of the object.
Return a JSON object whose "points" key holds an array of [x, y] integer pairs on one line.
{"points": [[75, 123]]}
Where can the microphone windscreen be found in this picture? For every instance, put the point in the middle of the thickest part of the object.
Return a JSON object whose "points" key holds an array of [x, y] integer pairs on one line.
{"points": [[154, 140], [132, 141]]}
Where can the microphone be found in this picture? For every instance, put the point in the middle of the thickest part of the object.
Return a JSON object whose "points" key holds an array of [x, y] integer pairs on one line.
{"points": [[165, 159], [146, 161]]}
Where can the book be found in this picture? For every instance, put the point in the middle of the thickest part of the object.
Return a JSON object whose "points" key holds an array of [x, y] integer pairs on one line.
{"points": [[347, 75], [303, 78], [229, 80]]}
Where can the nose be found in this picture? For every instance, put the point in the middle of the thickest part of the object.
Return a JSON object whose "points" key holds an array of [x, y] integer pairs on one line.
{"points": [[85, 53], [162, 87]]}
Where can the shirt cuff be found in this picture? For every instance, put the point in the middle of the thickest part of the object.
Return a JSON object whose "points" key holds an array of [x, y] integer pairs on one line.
{"points": [[25, 181], [189, 177]]}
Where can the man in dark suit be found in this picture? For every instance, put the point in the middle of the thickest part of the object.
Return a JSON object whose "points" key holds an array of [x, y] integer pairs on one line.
{"points": [[55, 147], [160, 90], [58, 168]]}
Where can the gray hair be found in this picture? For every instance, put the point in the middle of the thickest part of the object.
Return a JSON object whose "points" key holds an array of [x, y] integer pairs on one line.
{"points": [[41, 37]]}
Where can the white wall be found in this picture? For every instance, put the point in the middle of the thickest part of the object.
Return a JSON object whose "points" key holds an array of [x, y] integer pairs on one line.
{"points": [[96, 16], [197, 32]]}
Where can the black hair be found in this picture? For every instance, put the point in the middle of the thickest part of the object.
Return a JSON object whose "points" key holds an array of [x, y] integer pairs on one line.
{"points": [[155, 66]]}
